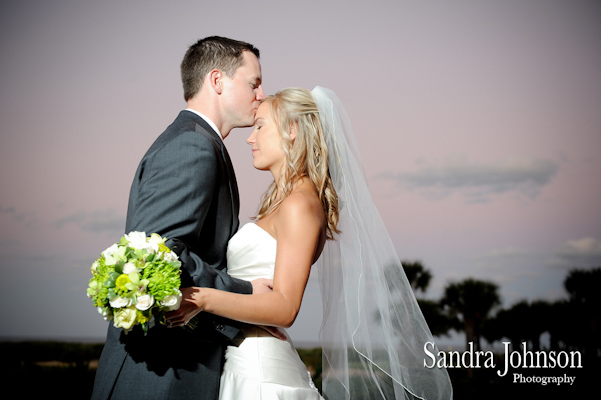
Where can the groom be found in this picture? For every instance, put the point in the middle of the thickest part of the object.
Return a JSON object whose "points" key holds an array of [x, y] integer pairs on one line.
{"points": [[185, 190]]}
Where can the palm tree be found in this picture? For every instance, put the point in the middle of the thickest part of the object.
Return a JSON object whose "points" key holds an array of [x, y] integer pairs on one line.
{"points": [[585, 304], [540, 321], [419, 278], [561, 325], [521, 322], [509, 323], [473, 300]]}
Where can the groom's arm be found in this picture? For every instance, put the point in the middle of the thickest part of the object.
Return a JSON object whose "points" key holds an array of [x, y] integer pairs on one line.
{"points": [[175, 195]]}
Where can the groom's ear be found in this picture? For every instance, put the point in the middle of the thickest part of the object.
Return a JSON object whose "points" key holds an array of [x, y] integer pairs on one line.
{"points": [[215, 80]]}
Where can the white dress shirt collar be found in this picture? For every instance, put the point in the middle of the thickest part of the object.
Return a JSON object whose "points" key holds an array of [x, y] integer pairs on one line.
{"points": [[207, 120]]}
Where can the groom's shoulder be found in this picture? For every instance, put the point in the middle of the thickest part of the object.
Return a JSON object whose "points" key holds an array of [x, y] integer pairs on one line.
{"points": [[186, 122], [187, 128]]}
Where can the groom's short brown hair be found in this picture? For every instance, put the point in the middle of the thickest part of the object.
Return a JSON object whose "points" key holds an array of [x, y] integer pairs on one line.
{"points": [[213, 52]]}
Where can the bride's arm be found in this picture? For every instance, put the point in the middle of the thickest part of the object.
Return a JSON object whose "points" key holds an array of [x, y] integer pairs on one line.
{"points": [[298, 228]]}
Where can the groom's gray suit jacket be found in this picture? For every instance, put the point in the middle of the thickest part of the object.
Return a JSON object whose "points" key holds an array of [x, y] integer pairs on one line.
{"points": [[185, 190]]}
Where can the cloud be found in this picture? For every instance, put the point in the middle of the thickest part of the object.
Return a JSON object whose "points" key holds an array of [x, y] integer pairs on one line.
{"points": [[503, 255], [507, 264], [96, 221], [13, 213], [578, 253], [521, 274], [7, 210], [478, 181]]}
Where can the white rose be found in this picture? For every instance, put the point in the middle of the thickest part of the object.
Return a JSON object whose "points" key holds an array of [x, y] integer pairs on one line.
{"points": [[171, 256], [154, 241], [105, 314], [172, 302], [125, 318], [144, 302], [110, 250], [112, 257], [137, 240], [119, 302], [128, 268]]}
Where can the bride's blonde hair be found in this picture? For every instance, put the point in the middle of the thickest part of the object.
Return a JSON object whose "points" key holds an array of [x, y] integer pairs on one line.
{"points": [[306, 155]]}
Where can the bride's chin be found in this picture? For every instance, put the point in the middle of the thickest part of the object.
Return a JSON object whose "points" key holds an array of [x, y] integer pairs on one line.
{"points": [[260, 167]]}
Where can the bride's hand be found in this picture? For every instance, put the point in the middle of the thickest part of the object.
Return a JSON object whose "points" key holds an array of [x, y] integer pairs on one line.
{"points": [[189, 307]]}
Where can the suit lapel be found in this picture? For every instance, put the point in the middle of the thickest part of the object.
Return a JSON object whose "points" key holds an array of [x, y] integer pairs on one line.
{"points": [[201, 125], [233, 188]]}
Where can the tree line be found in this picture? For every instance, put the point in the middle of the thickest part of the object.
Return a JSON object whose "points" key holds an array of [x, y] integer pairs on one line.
{"points": [[474, 307]]}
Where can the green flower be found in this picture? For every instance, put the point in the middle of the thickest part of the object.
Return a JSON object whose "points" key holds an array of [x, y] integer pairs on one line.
{"points": [[136, 284], [164, 279], [116, 257], [93, 288], [156, 239], [142, 317], [121, 282]]}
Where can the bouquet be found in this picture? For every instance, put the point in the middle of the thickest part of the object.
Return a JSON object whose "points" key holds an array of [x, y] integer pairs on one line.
{"points": [[135, 281]]}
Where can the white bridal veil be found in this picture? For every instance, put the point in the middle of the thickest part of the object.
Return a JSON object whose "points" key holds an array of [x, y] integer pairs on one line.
{"points": [[373, 332]]}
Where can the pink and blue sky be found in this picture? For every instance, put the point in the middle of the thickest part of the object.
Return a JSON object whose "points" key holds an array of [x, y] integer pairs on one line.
{"points": [[479, 124]]}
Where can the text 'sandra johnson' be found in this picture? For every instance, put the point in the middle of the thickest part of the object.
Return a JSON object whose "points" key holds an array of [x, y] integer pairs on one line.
{"points": [[513, 359]]}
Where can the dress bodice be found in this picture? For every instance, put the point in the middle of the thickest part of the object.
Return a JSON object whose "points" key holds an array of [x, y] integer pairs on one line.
{"points": [[251, 253], [260, 366]]}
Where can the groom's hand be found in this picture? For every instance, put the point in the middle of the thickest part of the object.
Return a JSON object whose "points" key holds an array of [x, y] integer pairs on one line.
{"points": [[273, 331], [262, 285]]}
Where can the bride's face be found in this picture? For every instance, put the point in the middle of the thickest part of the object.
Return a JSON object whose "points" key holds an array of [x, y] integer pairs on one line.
{"points": [[266, 142]]}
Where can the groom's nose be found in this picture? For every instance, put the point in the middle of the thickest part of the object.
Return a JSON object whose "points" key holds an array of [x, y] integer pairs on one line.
{"points": [[260, 93]]}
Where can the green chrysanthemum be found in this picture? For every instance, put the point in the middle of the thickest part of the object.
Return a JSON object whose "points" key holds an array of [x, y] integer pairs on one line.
{"points": [[164, 279], [99, 285]]}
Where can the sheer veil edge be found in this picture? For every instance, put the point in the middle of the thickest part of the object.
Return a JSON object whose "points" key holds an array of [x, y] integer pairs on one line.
{"points": [[373, 333]]}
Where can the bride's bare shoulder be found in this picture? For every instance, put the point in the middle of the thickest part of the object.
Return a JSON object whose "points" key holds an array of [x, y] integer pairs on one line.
{"points": [[301, 206]]}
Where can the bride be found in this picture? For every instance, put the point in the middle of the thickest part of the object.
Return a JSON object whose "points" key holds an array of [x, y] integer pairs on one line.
{"points": [[318, 208]]}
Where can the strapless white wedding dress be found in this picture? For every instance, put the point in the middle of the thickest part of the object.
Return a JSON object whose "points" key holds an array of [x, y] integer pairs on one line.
{"points": [[261, 366]]}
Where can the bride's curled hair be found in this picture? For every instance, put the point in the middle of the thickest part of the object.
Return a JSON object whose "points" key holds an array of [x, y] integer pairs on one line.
{"points": [[306, 155]]}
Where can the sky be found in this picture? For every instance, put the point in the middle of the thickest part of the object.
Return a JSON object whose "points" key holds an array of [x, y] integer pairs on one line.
{"points": [[478, 122]]}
